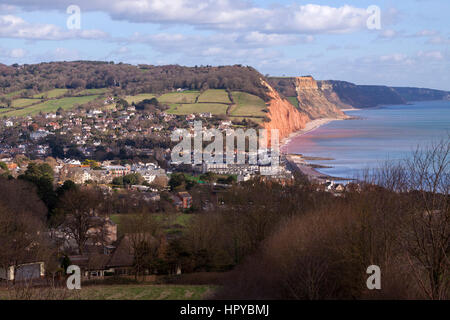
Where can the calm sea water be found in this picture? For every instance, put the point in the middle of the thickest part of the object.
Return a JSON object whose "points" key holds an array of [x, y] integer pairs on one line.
{"points": [[387, 133]]}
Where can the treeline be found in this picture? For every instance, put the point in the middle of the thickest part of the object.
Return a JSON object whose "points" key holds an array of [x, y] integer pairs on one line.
{"points": [[294, 242], [129, 79]]}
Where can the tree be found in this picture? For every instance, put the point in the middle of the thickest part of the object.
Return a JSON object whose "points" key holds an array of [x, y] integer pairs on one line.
{"points": [[41, 175], [176, 180], [146, 239], [83, 217], [22, 227]]}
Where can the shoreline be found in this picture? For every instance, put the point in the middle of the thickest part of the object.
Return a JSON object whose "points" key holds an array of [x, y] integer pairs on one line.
{"points": [[309, 127], [303, 166]]}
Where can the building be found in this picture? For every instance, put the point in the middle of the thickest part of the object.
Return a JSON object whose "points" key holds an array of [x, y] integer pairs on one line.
{"points": [[118, 171], [186, 200], [24, 272]]}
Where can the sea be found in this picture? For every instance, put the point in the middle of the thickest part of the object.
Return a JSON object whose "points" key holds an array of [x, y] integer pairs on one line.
{"points": [[379, 135]]}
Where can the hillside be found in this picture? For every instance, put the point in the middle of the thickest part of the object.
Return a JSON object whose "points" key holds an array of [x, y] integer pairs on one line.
{"points": [[421, 94], [233, 92]]}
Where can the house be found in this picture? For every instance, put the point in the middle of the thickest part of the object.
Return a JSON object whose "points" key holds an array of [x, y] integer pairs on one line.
{"points": [[118, 171], [24, 272], [186, 200]]}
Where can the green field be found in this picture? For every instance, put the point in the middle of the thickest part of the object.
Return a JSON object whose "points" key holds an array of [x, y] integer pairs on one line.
{"points": [[247, 105], [21, 103], [4, 110], [121, 292], [138, 98], [13, 94], [213, 95], [171, 222], [88, 92], [294, 102], [185, 109], [55, 93], [51, 106], [179, 97]]}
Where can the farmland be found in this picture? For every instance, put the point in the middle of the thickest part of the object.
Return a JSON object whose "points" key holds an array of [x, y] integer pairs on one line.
{"points": [[138, 98], [179, 97], [217, 96], [51, 106], [55, 93], [21, 103], [247, 105], [185, 109], [88, 92]]}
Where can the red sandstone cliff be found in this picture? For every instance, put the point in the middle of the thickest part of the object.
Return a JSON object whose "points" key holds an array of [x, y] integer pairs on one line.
{"points": [[283, 115], [313, 101]]}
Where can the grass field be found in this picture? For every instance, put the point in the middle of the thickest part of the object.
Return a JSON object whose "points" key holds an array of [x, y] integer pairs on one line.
{"points": [[51, 106], [12, 94], [138, 98], [179, 97], [21, 103], [256, 120], [247, 105], [127, 292], [171, 222], [294, 102], [55, 93], [213, 95], [184, 109], [88, 92]]}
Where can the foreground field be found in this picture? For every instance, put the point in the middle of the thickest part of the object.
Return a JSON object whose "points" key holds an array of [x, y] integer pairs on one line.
{"points": [[114, 292]]}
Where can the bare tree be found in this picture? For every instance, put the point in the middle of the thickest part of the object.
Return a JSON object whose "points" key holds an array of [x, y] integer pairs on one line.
{"points": [[144, 234], [427, 231], [84, 219]]}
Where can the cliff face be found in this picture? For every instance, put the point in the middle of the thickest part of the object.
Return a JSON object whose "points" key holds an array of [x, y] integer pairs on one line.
{"points": [[283, 115], [314, 102], [420, 94], [365, 96], [331, 95]]}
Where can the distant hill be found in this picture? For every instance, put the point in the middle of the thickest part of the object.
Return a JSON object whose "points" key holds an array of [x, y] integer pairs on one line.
{"points": [[366, 96], [421, 94]]}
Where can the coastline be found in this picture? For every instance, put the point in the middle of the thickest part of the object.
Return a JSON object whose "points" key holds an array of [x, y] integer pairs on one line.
{"points": [[298, 162], [309, 127]]}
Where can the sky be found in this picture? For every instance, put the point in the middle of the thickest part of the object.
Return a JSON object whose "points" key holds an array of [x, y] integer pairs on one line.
{"points": [[338, 40]]}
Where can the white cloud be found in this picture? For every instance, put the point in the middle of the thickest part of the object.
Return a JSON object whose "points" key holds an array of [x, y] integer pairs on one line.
{"points": [[15, 27], [237, 15], [439, 40], [434, 55], [6, 8], [17, 53], [389, 34]]}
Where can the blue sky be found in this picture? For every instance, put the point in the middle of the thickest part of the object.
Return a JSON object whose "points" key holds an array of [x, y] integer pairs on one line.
{"points": [[327, 39]]}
